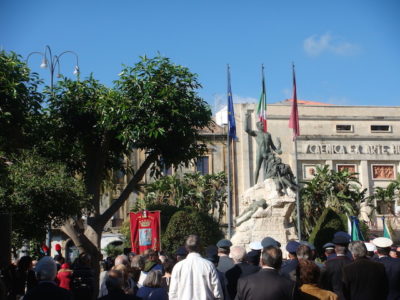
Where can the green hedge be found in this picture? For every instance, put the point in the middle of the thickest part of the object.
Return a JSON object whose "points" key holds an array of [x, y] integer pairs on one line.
{"points": [[190, 221], [328, 223]]}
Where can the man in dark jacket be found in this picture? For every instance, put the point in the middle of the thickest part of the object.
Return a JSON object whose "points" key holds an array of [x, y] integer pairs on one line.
{"points": [[364, 279], [239, 270], [46, 272], [267, 284], [392, 266], [289, 267], [225, 262], [331, 278], [114, 283]]}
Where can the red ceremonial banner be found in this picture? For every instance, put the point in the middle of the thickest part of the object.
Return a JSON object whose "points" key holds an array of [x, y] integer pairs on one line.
{"points": [[145, 231]]}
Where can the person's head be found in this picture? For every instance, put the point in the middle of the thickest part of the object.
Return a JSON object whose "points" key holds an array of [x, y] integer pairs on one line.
{"points": [[59, 259], [114, 280], [153, 279], [238, 254], [253, 257], [121, 260], [398, 251], [291, 248], [304, 252], [383, 251], [181, 253], [308, 271], [383, 245], [123, 270], [271, 257], [358, 249], [393, 252], [46, 269], [168, 265], [224, 246], [192, 243], [150, 255], [24, 263], [340, 249]]}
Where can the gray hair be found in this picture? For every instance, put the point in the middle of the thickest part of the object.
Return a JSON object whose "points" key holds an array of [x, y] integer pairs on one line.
{"points": [[46, 269], [114, 280], [192, 243], [121, 260], [153, 279], [358, 249], [238, 253]]}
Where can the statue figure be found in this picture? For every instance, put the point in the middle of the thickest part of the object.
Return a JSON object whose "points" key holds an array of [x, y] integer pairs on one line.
{"points": [[265, 147], [282, 175], [249, 211]]}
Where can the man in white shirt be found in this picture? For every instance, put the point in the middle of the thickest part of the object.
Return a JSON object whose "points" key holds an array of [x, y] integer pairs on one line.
{"points": [[194, 278]]}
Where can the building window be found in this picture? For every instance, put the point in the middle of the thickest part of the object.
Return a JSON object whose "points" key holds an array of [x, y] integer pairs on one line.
{"points": [[202, 165], [344, 128], [381, 128]]}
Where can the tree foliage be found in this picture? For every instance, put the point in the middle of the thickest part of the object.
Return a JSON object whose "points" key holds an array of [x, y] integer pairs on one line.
{"points": [[20, 103], [386, 197], [207, 193], [39, 192], [339, 191]]}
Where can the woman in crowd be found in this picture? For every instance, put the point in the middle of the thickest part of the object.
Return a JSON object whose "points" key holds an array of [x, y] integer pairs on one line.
{"points": [[23, 278], [309, 274], [64, 277], [152, 289]]}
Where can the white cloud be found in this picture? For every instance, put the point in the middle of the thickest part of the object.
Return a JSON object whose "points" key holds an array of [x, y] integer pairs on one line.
{"points": [[317, 44], [220, 100]]}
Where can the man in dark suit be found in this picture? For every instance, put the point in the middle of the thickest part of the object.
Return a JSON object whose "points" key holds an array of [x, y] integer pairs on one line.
{"points": [[288, 269], [239, 270], [46, 272], [267, 284], [392, 266], [225, 262], [331, 278], [364, 279]]}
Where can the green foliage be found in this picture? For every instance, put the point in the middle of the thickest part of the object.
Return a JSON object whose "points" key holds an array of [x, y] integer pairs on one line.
{"points": [[41, 192], [328, 223], [386, 197], [186, 222], [207, 193], [339, 191], [20, 103], [113, 250], [164, 110]]}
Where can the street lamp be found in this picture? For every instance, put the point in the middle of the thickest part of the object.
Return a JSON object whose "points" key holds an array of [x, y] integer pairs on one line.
{"points": [[53, 63]]}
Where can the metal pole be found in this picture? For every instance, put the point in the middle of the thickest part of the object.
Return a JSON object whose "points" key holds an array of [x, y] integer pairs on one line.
{"points": [[297, 192], [228, 141]]}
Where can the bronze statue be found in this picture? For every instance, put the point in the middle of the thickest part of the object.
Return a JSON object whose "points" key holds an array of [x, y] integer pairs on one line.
{"points": [[265, 148], [282, 175]]}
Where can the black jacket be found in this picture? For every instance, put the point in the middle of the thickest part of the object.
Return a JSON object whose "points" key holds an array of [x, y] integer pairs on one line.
{"points": [[48, 291], [238, 271], [331, 277], [266, 284], [392, 267], [365, 279]]}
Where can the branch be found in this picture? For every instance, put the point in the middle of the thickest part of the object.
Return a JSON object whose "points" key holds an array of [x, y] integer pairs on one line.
{"points": [[101, 221], [76, 232]]}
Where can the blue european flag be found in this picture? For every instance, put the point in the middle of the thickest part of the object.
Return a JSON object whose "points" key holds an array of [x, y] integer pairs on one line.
{"points": [[231, 113]]}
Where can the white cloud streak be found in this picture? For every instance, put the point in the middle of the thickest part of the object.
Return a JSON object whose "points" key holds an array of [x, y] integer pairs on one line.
{"points": [[318, 44]]}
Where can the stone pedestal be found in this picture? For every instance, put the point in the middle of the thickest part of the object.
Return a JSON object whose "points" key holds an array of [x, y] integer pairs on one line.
{"points": [[274, 220]]}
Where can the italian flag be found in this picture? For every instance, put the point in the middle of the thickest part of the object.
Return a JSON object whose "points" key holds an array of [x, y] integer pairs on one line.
{"points": [[262, 104]]}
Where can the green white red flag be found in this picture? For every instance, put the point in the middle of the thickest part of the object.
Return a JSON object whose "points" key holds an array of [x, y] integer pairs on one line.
{"points": [[262, 104], [294, 115]]}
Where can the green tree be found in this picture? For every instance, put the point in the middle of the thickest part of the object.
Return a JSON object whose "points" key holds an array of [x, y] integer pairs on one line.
{"points": [[40, 192], [20, 104], [386, 197], [340, 191], [207, 193], [154, 107]]}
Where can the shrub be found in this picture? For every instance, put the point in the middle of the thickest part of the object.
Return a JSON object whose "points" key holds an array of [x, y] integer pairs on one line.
{"points": [[186, 222], [328, 223]]}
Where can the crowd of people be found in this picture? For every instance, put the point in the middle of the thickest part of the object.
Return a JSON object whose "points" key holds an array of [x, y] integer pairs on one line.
{"points": [[348, 270]]}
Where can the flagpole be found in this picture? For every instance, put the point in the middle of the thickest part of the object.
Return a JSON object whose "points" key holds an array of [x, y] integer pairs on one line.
{"points": [[228, 140]]}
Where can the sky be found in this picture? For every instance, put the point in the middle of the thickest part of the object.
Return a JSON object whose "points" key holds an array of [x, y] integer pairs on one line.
{"points": [[346, 52]]}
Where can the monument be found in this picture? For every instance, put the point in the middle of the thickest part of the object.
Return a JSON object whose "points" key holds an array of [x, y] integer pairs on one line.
{"points": [[266, 208]]}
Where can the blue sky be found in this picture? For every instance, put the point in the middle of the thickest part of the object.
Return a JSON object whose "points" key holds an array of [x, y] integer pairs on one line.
{"points": [[345, 51]]}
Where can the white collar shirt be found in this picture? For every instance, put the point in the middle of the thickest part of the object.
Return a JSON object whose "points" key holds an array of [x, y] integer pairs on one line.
{"points": [[195, 278]]}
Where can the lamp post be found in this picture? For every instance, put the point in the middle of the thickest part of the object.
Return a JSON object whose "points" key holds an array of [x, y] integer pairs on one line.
{"points": [[52, 62]]}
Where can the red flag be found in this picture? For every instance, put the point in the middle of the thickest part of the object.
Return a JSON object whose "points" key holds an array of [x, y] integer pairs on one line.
{"points": [[294, 115], [145, 231]]}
